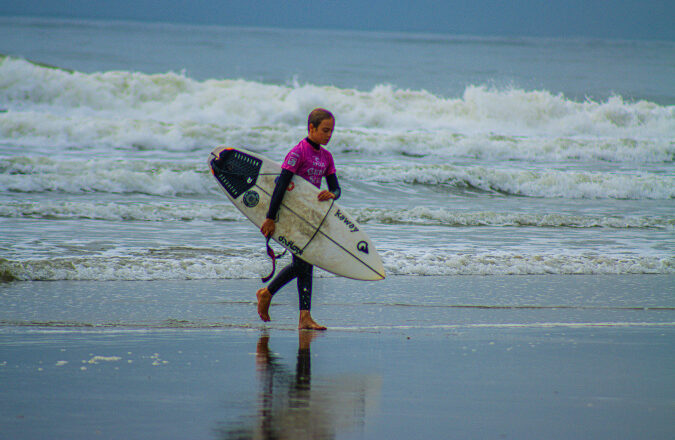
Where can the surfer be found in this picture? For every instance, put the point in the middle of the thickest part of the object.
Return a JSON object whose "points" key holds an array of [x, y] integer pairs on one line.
{"points": [[312, 162]]}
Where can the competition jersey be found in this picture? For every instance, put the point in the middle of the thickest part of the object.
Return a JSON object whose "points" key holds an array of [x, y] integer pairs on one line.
{"points": [[309, 163]]}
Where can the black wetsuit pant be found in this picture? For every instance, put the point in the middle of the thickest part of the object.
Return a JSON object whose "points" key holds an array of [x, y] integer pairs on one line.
{"points": [[301, 270]]}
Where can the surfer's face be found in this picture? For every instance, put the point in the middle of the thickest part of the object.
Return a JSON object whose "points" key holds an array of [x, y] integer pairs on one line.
{"points": [[321, 134]]}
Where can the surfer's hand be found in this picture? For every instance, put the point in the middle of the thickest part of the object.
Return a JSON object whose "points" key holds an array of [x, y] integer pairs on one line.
{"points": [[268, 227], [325, 195]]}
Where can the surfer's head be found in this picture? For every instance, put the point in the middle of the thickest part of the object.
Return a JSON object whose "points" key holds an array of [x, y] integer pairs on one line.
{"points": [[320, 126]]}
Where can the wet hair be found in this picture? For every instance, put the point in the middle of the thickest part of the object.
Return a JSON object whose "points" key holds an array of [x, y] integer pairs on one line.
{"points": [[317, 116]]}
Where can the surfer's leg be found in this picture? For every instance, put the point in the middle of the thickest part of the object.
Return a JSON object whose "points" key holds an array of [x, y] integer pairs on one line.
{"points": [[265, 294], [304, 271], [283, 277]]}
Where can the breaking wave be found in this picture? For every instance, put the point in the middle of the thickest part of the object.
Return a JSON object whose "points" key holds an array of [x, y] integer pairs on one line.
{"points": [[200, 211], [50, 107], [163, 178], [208, 265]]}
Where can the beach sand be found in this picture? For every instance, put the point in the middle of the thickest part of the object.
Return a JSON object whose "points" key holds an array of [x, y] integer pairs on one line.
{"points": [[541, 357]]}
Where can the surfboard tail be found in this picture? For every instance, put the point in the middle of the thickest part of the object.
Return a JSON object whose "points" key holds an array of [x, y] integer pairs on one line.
{"points": [[236, 171]]}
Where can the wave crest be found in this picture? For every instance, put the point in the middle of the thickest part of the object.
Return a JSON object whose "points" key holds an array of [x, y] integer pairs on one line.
{"points": [[173, 97], [532, 183], [421, 216], [155, 177]]}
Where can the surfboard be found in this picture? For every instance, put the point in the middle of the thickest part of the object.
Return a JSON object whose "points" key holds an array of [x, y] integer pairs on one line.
{"points": [[321, 233]]}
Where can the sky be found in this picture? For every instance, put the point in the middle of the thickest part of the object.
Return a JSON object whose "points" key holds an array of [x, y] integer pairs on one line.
{"points": [[622, 19]]}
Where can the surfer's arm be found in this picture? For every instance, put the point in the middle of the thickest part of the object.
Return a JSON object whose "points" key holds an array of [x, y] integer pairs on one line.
{"points": [[283, 181], [333, 189]]}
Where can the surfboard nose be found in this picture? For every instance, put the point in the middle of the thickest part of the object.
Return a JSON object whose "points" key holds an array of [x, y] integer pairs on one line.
{"points": [[379, 273], [370, 270]]}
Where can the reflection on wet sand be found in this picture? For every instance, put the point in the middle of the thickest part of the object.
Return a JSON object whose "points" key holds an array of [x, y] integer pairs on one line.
{"points": [[292, 407]]}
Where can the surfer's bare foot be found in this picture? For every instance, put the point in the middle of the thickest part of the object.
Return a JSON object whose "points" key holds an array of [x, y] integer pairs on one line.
{"points": [[307, 323], [264, 299]]}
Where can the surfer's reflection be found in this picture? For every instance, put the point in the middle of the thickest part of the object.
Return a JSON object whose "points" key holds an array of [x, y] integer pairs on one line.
{"points": [[291, 408]]}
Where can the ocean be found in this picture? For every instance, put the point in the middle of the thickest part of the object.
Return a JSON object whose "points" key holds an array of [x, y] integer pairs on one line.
{"points": [[458, 155], [521, 193]]}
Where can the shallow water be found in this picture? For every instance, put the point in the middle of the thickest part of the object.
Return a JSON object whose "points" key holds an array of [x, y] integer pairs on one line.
{"points": [[528, 382], [457, 155], [395, 304], [465, 356]]}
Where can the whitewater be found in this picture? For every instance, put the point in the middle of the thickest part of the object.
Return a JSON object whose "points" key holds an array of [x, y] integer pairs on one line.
{"points": [[103, 158]]}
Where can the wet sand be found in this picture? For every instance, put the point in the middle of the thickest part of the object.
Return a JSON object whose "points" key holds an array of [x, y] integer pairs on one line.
{"points": [[410, 357]]}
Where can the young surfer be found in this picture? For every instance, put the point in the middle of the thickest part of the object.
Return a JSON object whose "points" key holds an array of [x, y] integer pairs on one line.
{"points": [[312, 162]]}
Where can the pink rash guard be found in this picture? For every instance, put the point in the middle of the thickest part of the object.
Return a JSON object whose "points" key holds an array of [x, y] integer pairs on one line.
{"points": [[309, 163]]}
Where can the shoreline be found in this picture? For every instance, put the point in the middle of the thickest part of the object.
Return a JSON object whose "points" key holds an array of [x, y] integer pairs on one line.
{"points": [[603, 383], [396, 302], [553, 357]]}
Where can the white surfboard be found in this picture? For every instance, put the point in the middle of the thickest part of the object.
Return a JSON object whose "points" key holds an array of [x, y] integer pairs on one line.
{"points": [[321, 233]]}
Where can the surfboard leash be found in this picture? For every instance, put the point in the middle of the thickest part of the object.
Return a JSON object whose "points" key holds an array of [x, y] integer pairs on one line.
{"points": [[273, 257]]}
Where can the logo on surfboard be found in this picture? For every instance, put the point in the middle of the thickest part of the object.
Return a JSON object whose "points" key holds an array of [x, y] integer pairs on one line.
{"points": [[251, 198], [362, 246], [350, 225], [290, 245]]}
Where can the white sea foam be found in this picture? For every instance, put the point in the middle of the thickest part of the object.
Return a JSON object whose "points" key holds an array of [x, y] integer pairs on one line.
{"points": [[444, 145], [191, 211], [448, 217], [116, 211], [417, 263], [155, 177], [123, 146], [135, 268], [98, 358], [537, 183], [20, 174], [199, 266], [52, 107]]}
